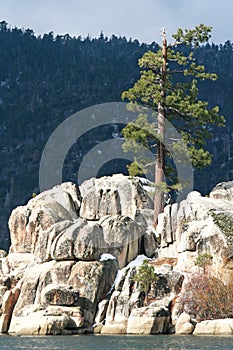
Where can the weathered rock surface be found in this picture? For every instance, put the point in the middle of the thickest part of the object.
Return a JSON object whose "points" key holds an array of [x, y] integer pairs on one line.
{"points": [[124, 298], [101, 311], [52, 206], [93, 280], [82, 240], [127, 297], [66, 283], [116, 328], [123, 237], [16, 263], [38, 323], [223, 190], [9, 300], [36, 278], [149, 320], [68, 244], [150, 243], [113, 195], [192, 228], [184, 325], [44, 247], [214, 327], [49, 226], [55, 294], [57, 240], [73, 316]]}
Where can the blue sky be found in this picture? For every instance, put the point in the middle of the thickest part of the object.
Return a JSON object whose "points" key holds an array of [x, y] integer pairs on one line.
{"points": [[138, 19]]}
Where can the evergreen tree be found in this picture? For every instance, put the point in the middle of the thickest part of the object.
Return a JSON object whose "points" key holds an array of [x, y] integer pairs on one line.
{"points": [[168, 84], [146, 278], [204, 261]]}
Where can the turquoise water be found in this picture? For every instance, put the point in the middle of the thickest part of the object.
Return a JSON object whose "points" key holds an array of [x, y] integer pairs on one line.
{"points": [[126, 342]]}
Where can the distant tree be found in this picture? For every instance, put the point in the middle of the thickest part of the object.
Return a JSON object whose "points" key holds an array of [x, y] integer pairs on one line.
{"points": [[3, 26], [168, 85]]}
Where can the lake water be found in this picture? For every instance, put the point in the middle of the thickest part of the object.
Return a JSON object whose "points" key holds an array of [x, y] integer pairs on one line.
{"points": [[126, 342]]}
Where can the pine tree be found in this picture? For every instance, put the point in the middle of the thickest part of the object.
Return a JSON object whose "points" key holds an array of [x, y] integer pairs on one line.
{"points": [[146, 278], [168, 84]]}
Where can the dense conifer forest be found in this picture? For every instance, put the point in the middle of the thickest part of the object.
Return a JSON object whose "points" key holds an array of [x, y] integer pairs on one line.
{"points": [[45, 79]]}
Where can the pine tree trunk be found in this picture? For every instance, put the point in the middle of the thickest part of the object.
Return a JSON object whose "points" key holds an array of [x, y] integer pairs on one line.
{"points": [[160, 160], [159, 171]]}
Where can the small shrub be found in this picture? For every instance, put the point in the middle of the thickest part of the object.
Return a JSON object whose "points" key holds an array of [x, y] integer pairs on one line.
{"points": [[204, 261], [206, 297], [146, 278]]}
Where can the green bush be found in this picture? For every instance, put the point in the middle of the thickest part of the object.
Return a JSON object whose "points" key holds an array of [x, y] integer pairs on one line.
{"points": [[146, 278], [204, 261]]}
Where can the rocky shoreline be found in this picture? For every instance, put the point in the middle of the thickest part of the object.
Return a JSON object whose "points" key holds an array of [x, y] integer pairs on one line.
{"points": [[75, 252]]}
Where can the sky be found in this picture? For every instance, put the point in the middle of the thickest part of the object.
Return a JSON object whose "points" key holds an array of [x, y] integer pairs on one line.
{"points": [[136, 19]]}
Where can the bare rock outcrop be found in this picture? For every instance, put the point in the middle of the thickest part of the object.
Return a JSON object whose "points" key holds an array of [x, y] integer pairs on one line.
{"points": [[66, 223], [73, 258], [66, 283], [184, 324], [223, 190], [221, 327], [121, 232], [58, 239], [39, 323], [9, 300], [113, 195], [127, 301], [82, 240], [196, 226], [93, 280], [52, 206], [149, 320]]}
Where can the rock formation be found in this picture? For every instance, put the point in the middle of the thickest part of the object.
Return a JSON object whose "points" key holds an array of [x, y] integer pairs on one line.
{"points": [[75, 252], [196, 226], [220, 327], [184, 324], [54, 272]]}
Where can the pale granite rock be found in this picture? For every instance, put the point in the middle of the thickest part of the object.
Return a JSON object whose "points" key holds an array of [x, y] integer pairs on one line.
{"points": [[148, 320], [184, 325], [219, 327], [113, 195]]}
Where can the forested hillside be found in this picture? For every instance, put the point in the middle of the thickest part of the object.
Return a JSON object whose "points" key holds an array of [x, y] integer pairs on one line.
{"points": [[45, 79]]}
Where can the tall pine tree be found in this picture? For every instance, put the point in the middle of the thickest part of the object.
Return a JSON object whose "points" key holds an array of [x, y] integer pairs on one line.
{"points": [[168, 84]]}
